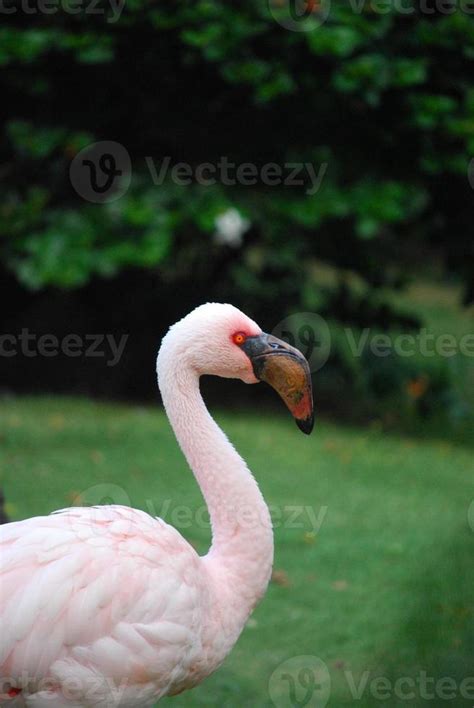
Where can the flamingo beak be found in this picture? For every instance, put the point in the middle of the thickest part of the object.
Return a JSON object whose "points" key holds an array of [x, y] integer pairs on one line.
{"points": [[286, 370]]}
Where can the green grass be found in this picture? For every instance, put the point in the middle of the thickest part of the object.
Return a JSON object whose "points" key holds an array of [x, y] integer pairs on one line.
{"points": [[384, 586]]}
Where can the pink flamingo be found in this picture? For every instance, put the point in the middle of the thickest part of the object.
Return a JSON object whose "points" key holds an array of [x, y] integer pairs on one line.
{"points": [[107, 606]]}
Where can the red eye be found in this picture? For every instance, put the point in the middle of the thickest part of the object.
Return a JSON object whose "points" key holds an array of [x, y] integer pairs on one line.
{"points": [[239, 337]]}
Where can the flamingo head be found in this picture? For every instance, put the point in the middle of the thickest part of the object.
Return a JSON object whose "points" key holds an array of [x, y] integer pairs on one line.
{"points": [[220, 340]]}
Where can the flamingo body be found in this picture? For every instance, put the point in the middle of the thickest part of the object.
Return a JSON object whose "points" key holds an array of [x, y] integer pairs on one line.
{"points": [[92, 595]]}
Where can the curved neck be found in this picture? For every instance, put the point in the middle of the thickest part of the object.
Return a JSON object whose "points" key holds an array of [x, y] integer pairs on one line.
{"points": [[241, 554]]}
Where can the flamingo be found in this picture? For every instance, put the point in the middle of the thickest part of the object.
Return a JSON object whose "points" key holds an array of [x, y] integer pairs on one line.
{"points": [[107, 606]]}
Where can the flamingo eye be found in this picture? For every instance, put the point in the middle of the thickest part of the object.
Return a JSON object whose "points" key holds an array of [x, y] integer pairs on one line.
{"points": [[239, 338]]}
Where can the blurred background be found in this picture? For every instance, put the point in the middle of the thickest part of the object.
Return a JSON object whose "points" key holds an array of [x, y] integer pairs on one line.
{"points": [[313, 164]]}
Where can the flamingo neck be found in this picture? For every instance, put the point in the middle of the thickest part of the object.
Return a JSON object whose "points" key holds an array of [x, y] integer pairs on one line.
{"points": [[241, 555]]}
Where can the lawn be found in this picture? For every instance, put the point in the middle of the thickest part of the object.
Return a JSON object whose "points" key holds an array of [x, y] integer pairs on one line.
{"points": [[374, 563]]}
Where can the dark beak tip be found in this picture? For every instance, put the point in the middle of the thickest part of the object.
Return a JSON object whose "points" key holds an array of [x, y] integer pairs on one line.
{"points": [[305, 424]]}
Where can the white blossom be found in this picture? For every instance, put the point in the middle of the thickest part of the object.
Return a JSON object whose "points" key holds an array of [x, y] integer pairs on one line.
{"points": [[230, 227]]}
